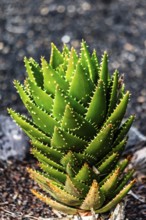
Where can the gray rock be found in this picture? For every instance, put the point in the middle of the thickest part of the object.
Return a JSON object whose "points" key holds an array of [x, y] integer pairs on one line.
{"points": [[139, 160], [135, 138], [13, 142], [137, 146]]}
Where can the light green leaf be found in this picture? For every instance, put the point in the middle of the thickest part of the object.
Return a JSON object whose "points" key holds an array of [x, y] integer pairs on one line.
{"points": [[97, 108], [116, 117], [101, 144], [28, 127], [66, 141], [81, 86], [42, 119], [41, 98], [104, 69], [52, 78], [34, 71], [78, 125], [56, 57]]}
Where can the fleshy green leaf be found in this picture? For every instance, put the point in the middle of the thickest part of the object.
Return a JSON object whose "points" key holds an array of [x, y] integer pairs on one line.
{"points": [[95, 64], [85, 174], [116, 117], [87, 58], [56, 57], [116, 199], [34, 71], [100, 145], [71, 64], [28, 127], [123, 182], [41, 98], [81, 86], [72, 160], [52, 78], [111, 183], [104, 69], [107, 164], [114, 93], [59, 104], [66, 141], [43, 120], [44, 159], [97, 108], [77, 124], [52, 153], [124, 130], [22, 92], [53, 173]]}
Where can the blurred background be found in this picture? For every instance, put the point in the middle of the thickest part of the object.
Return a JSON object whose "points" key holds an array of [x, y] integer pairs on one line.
{"points": [[28, 27]]}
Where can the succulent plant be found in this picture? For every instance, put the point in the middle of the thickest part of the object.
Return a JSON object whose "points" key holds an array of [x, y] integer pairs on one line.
{"points": [[76, 130]]}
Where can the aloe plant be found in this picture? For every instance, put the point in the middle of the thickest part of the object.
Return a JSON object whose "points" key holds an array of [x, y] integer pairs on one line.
{"points": [[76, 130]]}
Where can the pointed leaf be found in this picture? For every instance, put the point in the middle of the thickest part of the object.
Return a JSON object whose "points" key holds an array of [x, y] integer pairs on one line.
{"points": [[81, 85], [62, 196], [34, 71], [123, 182], [71, 64], [22, 92], [77, 124], [70, 157], [94, 199], [71, 188], [113, 94], [85, 174], [41, 98], [56, 57], [52, 78], [111, 183], [104, 69], [121, 165], [55, 205], [124, 130], [116, 199], [52, 153], [28, 127], [60, 101], [107, 164], [97, 108], [53, 173], [119, 112], [42, 119], [66, 141], [101, 144], [88, 61], [65, 51], [95, 64], [70, 171], [44, 159], [42, 180]]}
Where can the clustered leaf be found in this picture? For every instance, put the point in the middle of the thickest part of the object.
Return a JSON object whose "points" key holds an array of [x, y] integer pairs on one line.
{"points": [[76, 130]]}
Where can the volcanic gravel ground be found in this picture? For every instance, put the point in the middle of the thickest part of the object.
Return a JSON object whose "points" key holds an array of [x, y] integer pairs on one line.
{"points": [[27, 29]]}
